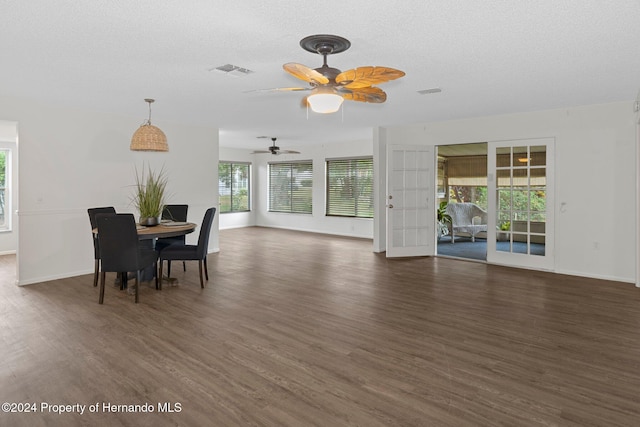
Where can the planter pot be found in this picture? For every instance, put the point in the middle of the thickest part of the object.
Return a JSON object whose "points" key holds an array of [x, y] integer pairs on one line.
{"points": [[443, 229], [149, 221], [502, 236]]}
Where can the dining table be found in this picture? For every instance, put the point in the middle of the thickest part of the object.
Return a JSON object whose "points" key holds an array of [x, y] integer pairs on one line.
{"points": [[165, 229], [148, 235]]}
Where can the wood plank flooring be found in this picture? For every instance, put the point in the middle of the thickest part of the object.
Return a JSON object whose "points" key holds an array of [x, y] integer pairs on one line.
{"points": [[299, 329]]}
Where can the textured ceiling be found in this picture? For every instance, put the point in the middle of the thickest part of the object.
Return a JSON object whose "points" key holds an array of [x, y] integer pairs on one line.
{"points": [[488, 57]]}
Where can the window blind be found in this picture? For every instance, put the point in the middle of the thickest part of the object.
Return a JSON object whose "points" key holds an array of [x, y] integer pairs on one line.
{"points": [[350, 187], [291, 187]]}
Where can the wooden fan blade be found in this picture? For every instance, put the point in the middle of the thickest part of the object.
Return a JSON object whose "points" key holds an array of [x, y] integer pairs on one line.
{"points": [[305, 73], [279, 89], [366, 94], [260, 152], [367, 76], [288, 152]]}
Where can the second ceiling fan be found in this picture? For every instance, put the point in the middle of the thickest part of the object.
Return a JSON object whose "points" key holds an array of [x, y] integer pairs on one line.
{"points": [[273, 149], [330, 86]]}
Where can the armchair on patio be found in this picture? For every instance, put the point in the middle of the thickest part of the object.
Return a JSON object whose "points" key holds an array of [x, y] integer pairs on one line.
{"points": [[467, 218]]}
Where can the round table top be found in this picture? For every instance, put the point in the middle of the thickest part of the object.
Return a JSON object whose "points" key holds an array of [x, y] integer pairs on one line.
{"points": [[167, 229]]}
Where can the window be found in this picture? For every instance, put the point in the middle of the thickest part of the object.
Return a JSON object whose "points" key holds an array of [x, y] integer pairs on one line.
{"points": [[233, 187], [291, 187], [5, 197], [350, 187]]}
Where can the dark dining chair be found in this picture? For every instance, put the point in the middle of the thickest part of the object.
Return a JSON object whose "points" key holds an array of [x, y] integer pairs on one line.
{"points": [[173, 213], [197, 252], [96, 245], [120, 249]]}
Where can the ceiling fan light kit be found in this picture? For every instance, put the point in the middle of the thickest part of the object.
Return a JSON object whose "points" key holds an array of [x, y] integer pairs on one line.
{"points": [[329, 86], [149, 137], [324, 101]]}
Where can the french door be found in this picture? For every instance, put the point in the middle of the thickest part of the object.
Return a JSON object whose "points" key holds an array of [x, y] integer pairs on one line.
{"points": [[409, 204], [521, 203]]}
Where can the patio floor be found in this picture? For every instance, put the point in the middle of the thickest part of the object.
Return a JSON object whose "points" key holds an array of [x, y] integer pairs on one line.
{"points": [[465, 248]]}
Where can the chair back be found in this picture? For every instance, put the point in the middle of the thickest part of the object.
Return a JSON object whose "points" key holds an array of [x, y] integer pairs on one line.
{"points": [[463, 213], [94, 211], [94, 223], [118, 242], [175, 212], [205, 231]]}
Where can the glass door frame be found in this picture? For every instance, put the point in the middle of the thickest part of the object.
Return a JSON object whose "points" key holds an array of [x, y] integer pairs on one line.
{"points": [[521, 260]]}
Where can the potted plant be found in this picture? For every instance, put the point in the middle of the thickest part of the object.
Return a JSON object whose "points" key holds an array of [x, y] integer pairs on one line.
{"points": [[444, 219], [149, 197], [503, 230]]}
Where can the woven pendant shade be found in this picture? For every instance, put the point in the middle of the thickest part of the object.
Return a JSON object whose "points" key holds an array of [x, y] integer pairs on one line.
{"points": [[149, 138]]}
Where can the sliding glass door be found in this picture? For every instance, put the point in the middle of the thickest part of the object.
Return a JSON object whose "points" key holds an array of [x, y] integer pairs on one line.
{"points": [[520, 192]]}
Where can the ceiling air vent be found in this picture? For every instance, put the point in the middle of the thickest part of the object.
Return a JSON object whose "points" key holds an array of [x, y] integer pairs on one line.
{"points": [[232, 70]]}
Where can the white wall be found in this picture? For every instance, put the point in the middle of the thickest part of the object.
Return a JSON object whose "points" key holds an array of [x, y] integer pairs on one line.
{"points": [[318, 222], [8, 139], [595, 178], [71, 160]]}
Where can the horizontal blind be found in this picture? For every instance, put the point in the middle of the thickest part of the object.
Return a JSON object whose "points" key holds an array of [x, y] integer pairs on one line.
{"points": [[291, 187], [350, 187]]}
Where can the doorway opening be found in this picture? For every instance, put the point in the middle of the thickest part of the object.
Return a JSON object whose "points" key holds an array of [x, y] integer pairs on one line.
{"points": [[462, 201]]}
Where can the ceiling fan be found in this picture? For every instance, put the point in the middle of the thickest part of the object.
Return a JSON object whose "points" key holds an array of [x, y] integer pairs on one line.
{"points": [[329, 86], [273, 149]]}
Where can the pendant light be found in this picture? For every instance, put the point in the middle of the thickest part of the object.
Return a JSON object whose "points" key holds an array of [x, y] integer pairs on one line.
{"points": [[149, 137]]}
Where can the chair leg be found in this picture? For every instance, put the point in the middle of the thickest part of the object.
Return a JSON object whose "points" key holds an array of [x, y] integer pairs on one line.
{"points": [[206, 270], [168, 268], [159, 284], [200, 268], [155, 269], [96, 270], [101, 299], [137, 285], [184, 266]]}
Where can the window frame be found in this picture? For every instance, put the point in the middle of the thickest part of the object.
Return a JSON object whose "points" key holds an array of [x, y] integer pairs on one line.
{"points": [[354, 173], [5, 226], [231, 186], [299, 177]]}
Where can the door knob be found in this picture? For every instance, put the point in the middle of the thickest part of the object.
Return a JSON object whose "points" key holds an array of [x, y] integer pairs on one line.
{"points": [[390, 206]]}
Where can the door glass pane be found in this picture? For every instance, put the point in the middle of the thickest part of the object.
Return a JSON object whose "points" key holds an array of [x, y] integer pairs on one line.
{"points": [[538, 155], [538, 245], [504, 244], [503, 157], [521, 199], [520, 245], [520, 178], [520, 156]]}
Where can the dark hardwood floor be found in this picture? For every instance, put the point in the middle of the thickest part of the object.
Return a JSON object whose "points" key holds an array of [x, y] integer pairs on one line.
{"points": [[297, 329]]}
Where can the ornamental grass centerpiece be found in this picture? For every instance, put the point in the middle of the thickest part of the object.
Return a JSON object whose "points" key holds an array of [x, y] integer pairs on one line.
{"points": [[149, 197]]}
